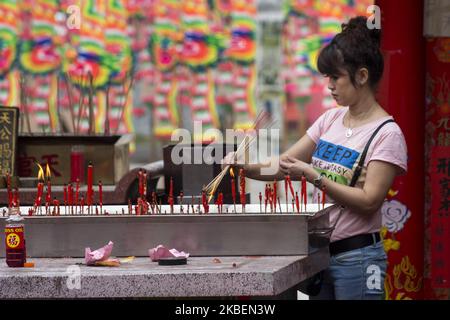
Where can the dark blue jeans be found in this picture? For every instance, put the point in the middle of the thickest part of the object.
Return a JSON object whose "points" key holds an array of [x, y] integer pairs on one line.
{"points": [[355, 275]]}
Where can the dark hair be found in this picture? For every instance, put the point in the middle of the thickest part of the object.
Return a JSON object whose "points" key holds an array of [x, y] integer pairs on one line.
{"points": [[355, 47]]}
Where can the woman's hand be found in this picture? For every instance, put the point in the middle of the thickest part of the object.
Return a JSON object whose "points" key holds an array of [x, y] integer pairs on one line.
{"points": [[295, 168]]}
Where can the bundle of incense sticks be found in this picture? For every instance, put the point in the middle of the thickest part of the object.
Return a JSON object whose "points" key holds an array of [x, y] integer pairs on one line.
{"points": [[263, 120]]}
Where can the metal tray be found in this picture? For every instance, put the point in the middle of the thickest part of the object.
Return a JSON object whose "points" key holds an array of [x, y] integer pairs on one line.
{"points": [[211, 234]]}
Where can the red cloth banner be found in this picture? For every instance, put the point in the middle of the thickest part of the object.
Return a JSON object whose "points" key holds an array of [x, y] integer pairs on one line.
{"points": [[440, 219]]}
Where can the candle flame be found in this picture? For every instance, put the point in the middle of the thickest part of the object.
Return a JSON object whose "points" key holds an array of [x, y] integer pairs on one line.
{"points": [[231, 172], [40, 172], [48, 172], [210, 197]]}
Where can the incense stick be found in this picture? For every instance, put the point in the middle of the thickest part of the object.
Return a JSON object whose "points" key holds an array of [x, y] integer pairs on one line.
{"points": [[23, 101], [106, 123], [263, 120], [127, 91], [91, 104], [69, 96], [80, 103]]}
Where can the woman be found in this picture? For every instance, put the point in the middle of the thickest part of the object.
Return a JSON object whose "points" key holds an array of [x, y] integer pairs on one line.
{"points": [[329, 153]]}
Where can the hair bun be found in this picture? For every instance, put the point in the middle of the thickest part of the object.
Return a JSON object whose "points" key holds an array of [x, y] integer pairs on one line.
{"points": [[357, 27]]}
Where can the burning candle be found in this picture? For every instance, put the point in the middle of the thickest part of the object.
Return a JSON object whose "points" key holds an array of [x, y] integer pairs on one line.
{"points": [[40, 188], [233, 188]]}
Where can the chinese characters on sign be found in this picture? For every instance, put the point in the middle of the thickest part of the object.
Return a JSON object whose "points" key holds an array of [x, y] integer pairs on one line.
{"points": [[440, 223], [27, 164], [9, 119]]}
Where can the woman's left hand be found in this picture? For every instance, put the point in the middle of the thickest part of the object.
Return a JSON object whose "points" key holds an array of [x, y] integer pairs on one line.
{"points": [[294, 167]]}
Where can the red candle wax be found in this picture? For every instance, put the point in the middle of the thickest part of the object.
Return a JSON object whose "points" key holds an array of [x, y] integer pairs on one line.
{"points": [[90, 190], [70, 194], [275, 196], [323, 197], [140, 183], [286, 186], [242, 186], [144, 185], [77, 164], [100, 193], [303, 195], [40, 187], [77, 192], [65, 194], [48, 197]]}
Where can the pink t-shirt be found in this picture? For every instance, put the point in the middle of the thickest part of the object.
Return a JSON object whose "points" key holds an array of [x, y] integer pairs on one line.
{"points": [[336, 157]]}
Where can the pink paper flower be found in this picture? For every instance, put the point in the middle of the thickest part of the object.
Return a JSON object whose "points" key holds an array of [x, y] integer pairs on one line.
{"points": [[102, 254], [162, 252]]}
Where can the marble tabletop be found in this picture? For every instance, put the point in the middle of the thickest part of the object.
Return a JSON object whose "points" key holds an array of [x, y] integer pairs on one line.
{"points": [[201, 277]]}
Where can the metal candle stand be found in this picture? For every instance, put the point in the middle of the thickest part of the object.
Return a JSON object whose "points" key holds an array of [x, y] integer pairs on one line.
{"points": [[213, 234], [233, 230]]}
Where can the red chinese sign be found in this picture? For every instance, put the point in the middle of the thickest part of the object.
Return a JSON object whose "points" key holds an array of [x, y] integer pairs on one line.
{"points": [[440, 219], [437, 157], [27, 166]]}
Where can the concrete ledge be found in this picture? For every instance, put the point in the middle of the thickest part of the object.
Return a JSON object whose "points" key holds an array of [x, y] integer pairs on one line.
{"points": [[201, 277]]}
